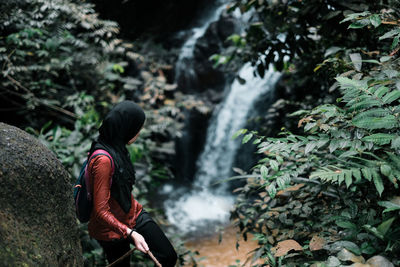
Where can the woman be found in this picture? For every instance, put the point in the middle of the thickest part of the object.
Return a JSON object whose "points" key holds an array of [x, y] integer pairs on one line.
{"points": [[117, 218]]}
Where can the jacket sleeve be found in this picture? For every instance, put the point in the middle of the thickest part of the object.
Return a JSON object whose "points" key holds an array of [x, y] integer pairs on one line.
{"points": [[100, 173]]}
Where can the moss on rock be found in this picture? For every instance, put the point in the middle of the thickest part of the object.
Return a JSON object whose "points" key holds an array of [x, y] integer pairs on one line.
{"points": [[37, 226]]}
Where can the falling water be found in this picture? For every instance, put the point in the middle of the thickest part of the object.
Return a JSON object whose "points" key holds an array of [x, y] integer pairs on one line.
{"points": [[184, 70], [206, 203]]}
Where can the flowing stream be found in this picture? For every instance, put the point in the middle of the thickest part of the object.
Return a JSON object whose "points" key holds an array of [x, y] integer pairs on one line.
{"points": [[208, 201]]}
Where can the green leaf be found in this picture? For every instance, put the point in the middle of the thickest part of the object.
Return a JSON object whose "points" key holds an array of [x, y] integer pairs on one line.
{"points": [[373, 230], [326, 174], [375, 112], [274, 165], [235, 38], [379, 138], [390, 34], [372, 123], [367, 103], [239, 132], [386, 170], [247, 138], [390, 97], [359, 24], [333, 145], [299, 113], [385, 58], [390, 206], [257, 141], [385, 226], [349, 83], [264, 171], [368, 248], [271, 189], [356, 59], [332, 50], [281, 183], [347, 179], [355, 16], [381, 91], [375, 20], [310, 126], [118, 68], [371, 61], [340, 177], [395, 42], [310, 147], [346, 225], [367, 173], [357, 174], [348, 154], [391, 73], [378, 182], [396, 143]]}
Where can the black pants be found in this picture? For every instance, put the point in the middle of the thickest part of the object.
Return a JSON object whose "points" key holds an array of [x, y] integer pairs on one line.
{"points": [[155, 238]]}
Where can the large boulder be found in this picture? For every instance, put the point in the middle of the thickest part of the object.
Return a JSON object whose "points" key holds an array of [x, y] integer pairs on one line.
{"points": [[37, 222]]}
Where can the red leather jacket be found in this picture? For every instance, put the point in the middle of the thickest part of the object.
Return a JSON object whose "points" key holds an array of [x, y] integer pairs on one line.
{"points": [[108, 221]]}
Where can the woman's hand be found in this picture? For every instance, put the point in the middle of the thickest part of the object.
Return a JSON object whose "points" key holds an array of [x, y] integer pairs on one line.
{"points": [[139, 241]]}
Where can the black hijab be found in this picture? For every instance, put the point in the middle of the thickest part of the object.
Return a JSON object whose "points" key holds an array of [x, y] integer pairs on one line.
{"points": [[120, 125]]}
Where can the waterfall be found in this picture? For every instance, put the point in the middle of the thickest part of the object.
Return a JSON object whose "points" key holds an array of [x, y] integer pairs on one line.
{"points": [[193, 209], [184, 70], [206, 203], [216, 160]]}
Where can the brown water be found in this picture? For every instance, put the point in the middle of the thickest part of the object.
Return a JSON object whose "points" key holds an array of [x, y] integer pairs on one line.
{"points": [[222, 254]]}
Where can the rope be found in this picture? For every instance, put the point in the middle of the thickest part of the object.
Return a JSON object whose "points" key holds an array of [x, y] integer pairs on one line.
{"points": [[129, 253]]}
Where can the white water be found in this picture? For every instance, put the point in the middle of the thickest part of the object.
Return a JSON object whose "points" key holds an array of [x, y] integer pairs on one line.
{"points": [[206, 203], [184, 66]]}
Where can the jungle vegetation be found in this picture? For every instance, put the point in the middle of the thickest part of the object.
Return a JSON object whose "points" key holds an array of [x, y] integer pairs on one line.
{"points": [[326, 181], [325, 190], [62, 68]]}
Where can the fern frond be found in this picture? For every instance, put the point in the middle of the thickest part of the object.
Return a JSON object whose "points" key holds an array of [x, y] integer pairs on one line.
{"points": [[390, 97], [379, 138], [352, 84], [376, 112], [346, 175], [365, 104], [373, 123], [381, 91]]}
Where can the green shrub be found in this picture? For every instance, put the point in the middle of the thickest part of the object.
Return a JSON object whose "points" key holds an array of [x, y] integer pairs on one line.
{"points": [[346, 164]]}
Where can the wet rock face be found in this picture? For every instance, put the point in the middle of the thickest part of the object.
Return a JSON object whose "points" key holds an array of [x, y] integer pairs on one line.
{"points": [[209, 44], [190, 145], [38, 225]]}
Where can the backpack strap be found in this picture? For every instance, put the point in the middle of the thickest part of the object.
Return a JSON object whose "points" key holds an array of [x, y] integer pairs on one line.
{"points": [[99, 152], [96, 153]]}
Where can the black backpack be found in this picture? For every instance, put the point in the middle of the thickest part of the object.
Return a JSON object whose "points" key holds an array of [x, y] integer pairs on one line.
{"points": [[82, 188]]}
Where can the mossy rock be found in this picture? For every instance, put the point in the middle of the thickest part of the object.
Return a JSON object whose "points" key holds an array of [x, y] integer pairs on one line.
{"points": [[37, 221]]}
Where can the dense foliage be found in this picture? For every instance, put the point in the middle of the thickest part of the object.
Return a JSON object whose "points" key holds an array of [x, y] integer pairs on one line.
{"points": [[333, 189], [51, 51], [62, 68]]}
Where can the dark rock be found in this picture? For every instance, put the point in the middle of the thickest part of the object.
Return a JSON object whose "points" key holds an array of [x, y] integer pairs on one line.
{"points": [[38, 225], [189, 146], [197, 73], [209, 44]]}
